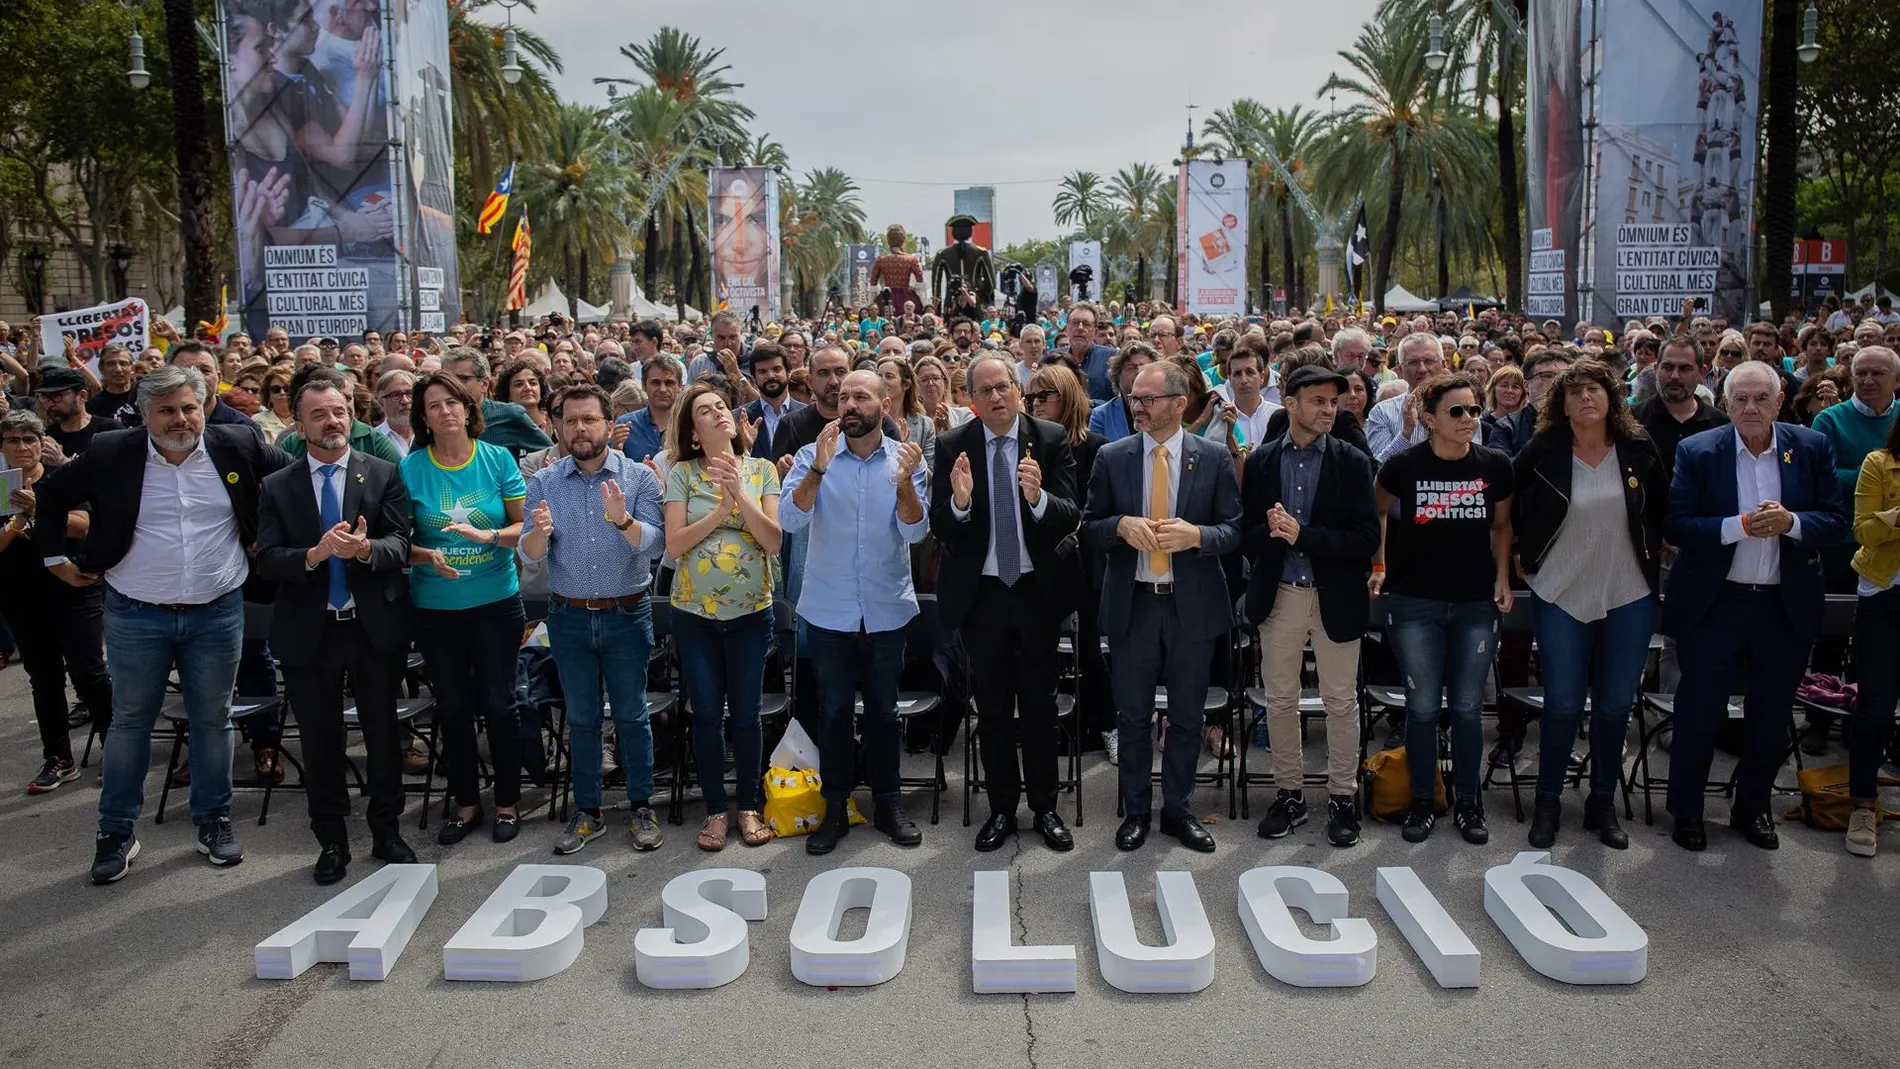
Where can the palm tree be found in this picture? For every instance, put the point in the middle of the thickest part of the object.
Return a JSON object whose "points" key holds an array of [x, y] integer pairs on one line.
{"points": [[196, 230], [1400, 128], [1495, 58], [766, 152], [1081, 200], [1781, 127], [1136, 230], [493, 118], [1246, 128], [817, 218], [647, 122], [579, 191], [674, 65]]}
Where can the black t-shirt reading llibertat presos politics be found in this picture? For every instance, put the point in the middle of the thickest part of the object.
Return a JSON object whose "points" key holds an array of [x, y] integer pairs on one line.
{"points": [[1438, 546]]}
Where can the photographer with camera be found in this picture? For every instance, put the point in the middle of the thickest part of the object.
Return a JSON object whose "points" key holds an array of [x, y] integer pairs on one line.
{"points": [[1018, 286]]}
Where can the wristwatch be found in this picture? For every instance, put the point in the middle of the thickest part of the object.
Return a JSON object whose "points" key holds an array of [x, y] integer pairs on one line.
{"points": [[625, 523]]}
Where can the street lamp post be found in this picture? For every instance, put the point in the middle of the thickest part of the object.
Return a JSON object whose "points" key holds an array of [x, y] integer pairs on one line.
{"points": [[510, 47], [1435, 55], [1809, 49]]}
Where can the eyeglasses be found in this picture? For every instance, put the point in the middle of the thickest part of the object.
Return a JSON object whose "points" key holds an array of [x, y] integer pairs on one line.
{"points": [[277, 387], [1040, 396], [1147, 400], [1462, 411], [997, 389], [1728, 352], [19, 441], [393, 395], [243, 389], [466, 378]]}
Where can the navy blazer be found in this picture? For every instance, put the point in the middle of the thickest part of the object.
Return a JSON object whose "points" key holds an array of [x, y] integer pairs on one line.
{"points": [[1703, 494], [755, 411], [1209, 497]]}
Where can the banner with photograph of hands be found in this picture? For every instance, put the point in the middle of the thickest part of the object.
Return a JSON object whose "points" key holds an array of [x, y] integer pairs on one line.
{"points": [[337, 130]]}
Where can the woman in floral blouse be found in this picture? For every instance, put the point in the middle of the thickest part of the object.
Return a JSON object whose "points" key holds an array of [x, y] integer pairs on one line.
{"points": [[722, 528]]}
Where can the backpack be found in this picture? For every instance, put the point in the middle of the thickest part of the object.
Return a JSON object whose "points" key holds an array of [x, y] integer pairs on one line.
{"points": [[1388, 786], [1825, 802]]}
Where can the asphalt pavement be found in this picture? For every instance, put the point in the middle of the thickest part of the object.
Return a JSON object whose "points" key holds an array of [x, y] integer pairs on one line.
{"points": [[1755, 958]]}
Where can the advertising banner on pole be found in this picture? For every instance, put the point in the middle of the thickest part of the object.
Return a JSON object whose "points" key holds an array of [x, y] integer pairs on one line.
{"points": [[860, 287], [1652, 208], [1554, 173], [337, 131], [1046, 290], [420, 31], [1086, 254], [1212, 212], [743, 233]]}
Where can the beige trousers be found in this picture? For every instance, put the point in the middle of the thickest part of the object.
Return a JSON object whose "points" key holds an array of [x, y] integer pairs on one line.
{"points": [[1283, 638]]}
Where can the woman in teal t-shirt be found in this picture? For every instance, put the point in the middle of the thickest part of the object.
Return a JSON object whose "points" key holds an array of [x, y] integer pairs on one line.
{"points": [[466, 498]]}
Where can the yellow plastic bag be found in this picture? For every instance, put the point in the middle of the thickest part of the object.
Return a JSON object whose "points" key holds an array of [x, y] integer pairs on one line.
{"points": [[793, 804]]}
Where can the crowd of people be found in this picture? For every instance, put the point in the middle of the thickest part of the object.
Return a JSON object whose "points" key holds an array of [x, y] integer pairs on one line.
{"points": [[1135, 482]]}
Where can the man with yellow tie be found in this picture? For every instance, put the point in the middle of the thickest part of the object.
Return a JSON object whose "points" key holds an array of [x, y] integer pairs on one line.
{"points": [[1163, 505]]}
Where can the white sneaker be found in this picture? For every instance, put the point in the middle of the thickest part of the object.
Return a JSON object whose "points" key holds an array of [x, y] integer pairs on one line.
{"points": [[1112, 745], [1863, 828]]}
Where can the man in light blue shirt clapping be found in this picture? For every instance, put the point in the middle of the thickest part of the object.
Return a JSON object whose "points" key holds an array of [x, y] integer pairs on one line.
{"points": [[864, 508]]}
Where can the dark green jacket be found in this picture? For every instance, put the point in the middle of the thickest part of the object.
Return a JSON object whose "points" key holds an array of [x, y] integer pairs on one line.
{"points": [[508, 426], [363, 438]]}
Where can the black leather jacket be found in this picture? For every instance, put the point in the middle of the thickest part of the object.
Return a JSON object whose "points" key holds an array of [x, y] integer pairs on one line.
{"points": [[1542, 498]]}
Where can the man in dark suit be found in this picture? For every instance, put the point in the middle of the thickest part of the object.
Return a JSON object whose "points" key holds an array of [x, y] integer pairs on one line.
{"points": [[174, 506], [1750, 508], [1163, 505], [334, 534], [1002, 506], [1310, 529]]}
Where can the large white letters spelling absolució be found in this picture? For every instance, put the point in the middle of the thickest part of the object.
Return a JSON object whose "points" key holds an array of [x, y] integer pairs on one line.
{"points": [[1558, 919]]}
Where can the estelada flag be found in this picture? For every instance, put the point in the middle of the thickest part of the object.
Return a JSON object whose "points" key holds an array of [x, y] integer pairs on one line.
{"points": [[497, 204], [518, 271]]}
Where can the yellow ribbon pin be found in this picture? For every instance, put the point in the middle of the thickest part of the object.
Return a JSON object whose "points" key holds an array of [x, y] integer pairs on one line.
{"points": [[231, 478], [1632, 482], [1787, 456]]}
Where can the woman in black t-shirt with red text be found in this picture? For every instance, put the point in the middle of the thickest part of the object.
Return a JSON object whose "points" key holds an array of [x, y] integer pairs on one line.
{"points": [[1444, 569]]}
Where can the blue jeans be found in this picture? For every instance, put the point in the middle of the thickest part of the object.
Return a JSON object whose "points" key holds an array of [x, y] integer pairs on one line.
{"points": [[722, 665], [611, 645], [143, 643], [1618, 645], [1444, 648], [844, 662]]}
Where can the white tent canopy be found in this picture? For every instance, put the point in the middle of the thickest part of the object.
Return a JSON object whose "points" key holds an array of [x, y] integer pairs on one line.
{"points": [[1399, 299], [553, 300], [643, 308]]}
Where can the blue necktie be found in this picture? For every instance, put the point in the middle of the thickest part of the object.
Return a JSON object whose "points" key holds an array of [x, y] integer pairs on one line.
{"points": [[1009, 565], [330, 511]]}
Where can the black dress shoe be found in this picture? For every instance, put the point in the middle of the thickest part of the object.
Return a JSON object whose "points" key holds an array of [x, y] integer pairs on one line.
{"points": [[455, 829], [1758, 829], [1690, 834], [890, 820], [507, 826], [999, 827], [1132, 833], [1189, 831], [332, 864], [830, 830], [1055, 834], [393, 851]]}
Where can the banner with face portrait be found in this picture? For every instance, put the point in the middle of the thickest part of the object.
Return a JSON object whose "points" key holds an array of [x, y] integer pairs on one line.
{"points": [[1212, 275], [742, 205], [337, 129]]}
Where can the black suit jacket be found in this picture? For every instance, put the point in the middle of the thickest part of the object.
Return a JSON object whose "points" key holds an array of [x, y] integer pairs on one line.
{"points": [[1340, 538], [289, 524], [966, 542], [111, 475]]}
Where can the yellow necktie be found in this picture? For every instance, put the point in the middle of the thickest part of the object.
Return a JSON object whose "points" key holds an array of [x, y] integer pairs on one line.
{"points": [[1158, 506]]}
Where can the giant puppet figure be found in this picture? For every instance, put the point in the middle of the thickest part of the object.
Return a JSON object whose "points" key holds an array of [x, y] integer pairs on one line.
{"points": [[962, 276]]}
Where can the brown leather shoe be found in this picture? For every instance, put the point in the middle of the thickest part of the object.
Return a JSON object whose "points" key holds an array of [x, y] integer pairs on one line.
{"points": [[269, 766], [414, 762]]}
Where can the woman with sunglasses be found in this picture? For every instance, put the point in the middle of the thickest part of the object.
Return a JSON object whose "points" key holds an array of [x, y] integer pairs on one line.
{"points": [[275, 417], [1445, 506], [1591, 494]]}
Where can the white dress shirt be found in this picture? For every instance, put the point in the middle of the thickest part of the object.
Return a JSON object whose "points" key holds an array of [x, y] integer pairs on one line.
{"points": [[1036, 510], [316, 490], [185, 548], [397, 440], [1757, 479], [1253, 427], [1176, 445]]}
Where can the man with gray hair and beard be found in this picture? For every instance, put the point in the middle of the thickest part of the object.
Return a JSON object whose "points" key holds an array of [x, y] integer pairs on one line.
{"points": [[174, 504]]}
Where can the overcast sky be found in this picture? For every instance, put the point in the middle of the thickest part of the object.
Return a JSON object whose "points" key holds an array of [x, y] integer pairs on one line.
{"points": [[915, 99]]}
